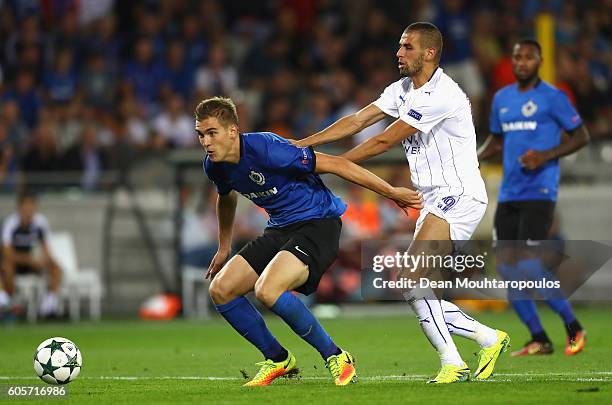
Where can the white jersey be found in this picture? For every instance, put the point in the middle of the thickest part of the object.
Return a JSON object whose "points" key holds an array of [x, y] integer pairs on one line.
{"points": [[442, 154]]}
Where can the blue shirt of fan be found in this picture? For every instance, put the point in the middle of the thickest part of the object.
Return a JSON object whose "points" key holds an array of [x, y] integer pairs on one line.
{"points": [[277, 176], [530, 120]]}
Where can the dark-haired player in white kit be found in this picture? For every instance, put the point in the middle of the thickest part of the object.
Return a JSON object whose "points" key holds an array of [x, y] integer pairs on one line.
{"points": [[434, 125]]}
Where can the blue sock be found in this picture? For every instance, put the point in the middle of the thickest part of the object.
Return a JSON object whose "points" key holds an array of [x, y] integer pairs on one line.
{"points": [[300, 319], [247, 321], [564, 309], [526, 310], [521, 301], [554, 296]]}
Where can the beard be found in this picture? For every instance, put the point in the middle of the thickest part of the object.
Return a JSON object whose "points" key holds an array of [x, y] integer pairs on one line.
{"points": [[527, 79], [414, 69]]}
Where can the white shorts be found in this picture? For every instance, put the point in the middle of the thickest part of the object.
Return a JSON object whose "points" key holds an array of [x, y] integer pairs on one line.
{"points": [[463, 213]]}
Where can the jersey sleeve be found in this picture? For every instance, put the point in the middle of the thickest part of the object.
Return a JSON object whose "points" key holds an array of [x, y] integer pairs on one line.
{"points": [[42, 227], [564, 113], [288, 158], [494, 123], [427, 112], [8, 227], [213, 174], [387, 102]]}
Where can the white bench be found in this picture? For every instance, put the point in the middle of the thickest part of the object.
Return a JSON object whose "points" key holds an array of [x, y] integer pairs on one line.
{"points": [[196, 301], [77, 284]]}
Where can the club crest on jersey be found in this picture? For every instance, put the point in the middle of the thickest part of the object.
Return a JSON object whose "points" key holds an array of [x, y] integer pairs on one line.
{"points": [[416, 115], [257, 178], [305, 159], [529, 108]]}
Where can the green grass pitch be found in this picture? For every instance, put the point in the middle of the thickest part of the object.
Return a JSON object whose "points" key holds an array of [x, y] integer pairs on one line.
{"points": [[201, 362]]}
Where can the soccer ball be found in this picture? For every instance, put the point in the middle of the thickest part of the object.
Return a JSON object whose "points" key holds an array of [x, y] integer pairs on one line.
{"points": [[57, 361]]}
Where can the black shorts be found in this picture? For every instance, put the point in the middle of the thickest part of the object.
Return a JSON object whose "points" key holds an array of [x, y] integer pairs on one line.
{"points": [[25, 270], [522, 220], [315, 242]]}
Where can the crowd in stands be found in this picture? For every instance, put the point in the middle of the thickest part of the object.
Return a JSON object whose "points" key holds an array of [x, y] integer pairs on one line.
{"points": [[78, 77]]}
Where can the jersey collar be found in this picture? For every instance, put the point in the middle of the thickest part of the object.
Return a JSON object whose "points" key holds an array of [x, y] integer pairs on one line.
{"points": [[433, 78]]}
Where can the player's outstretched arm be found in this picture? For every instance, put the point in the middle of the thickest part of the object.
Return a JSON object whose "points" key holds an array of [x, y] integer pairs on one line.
{"points": [[491, 147], [404, 197], [393, 134], [346, 126], [533, 159], [226, 211]]}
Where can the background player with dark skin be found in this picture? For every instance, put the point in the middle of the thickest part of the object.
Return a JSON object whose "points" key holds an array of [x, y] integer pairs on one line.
{"points": [[526, 218]]}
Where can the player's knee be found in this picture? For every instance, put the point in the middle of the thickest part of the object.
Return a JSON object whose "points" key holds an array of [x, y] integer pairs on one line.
{"points": [[220, 292], [266, 294]]}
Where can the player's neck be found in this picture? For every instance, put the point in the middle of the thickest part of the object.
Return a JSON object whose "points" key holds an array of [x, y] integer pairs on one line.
{"points": [[234, 154], [528, 84], [424, 76]]}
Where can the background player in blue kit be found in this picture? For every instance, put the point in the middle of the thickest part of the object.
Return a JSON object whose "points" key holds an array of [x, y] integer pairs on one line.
{"points": [[526, 122], [299, 244]]}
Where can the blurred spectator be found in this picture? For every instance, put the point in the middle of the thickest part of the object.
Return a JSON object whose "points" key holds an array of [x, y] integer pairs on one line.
{"points": [[362, 217], [217, 78], [41, 154], [98, 84], [22, 232], [7, 160], [16, 132], [143, 75], [196, 47], [278, 117], [138, 128], [317, 116], [91, 10], [27, 97], [87, 158], [68, 36], [61, 82], [149, 25], [486, 47], [178, 74], [199, 233], [28, 45], [175, 125], [454, 21], [363, 97], [107, 42]]}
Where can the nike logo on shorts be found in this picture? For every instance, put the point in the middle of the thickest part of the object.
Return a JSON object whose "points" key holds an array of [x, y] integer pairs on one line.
{"points": [[300, 250]]}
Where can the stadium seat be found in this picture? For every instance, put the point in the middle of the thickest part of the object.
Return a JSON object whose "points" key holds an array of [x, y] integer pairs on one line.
{"points": [[77, 283], [195, 293]]}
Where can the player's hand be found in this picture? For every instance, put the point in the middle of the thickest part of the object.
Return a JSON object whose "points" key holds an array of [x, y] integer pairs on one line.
{"points": [[406, 197], [532, 159], [297, 142], [217, 263]]}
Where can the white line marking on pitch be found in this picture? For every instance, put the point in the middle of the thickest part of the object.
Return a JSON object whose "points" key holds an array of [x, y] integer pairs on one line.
{"points": [[506, 377]]}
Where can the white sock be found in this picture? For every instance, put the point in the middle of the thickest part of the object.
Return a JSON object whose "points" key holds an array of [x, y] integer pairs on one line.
{"points": [[460, 324], [49, 304], [431, 319]]}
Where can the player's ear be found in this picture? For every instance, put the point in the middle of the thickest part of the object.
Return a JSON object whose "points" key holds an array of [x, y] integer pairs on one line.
{"points": [[233, 130], [430, 54]]}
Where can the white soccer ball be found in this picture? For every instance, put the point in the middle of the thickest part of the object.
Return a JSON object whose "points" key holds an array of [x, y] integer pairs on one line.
{"points": [[57, 361]]}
